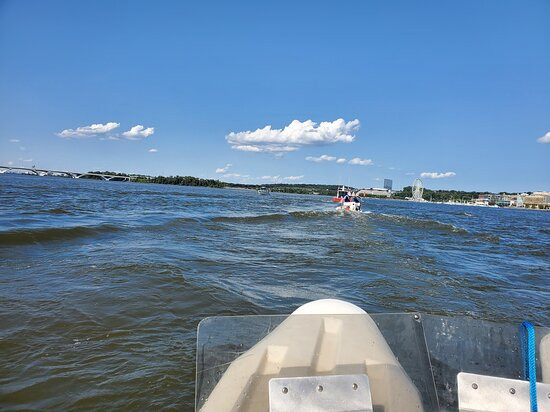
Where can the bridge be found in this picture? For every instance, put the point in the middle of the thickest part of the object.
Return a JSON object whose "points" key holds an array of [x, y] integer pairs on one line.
{"points": [[75, 175]]}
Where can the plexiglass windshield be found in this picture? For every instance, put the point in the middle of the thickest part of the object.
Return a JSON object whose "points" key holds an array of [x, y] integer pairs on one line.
{"points": [[237, 356]]}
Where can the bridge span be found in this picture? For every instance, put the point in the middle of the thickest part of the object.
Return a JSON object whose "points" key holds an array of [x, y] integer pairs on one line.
{"points": [[74, 175]]}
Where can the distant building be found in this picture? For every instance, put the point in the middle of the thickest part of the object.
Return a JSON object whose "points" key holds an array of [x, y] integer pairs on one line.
{"points": [[505, 200], [484, 199], [374, 191], [537, 200], [388, 184]]}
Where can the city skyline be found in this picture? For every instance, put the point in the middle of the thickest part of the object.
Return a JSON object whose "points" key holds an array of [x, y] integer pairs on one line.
{"points": [[454, 94]]}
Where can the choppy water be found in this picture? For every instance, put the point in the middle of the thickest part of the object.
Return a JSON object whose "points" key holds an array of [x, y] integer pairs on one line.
{"points": [[102, 284]]}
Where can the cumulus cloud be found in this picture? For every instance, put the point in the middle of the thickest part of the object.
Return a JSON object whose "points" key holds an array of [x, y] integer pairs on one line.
{"points": [[293, 178], [224, 169], [326, 158], [360, 162], [138, 132], [293, 136], [88, 131], [436, 175], [544, 139], [14, 140], [322, 158], [153, 150]]}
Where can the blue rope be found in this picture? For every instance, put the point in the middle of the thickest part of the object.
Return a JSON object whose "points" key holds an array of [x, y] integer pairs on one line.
{"points": [[527, 336]]}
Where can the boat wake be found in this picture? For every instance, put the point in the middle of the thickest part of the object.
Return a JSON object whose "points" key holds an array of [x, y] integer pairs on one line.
{"points": [[298, 215]]}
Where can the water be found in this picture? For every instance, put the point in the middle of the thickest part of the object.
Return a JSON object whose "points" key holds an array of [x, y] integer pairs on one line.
{"points": [[102, 284]]}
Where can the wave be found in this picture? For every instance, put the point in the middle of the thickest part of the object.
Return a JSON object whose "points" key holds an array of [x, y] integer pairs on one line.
{"points": [[170, 224], [31, 236], [312, 214], [534, 251], [250, 219], [487, 237], [56, 211], [424, 223], [273, 217], [460, 213]]}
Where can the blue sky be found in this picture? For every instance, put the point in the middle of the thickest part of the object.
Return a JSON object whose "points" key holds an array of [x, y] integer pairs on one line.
{"points": [[459, 90]]}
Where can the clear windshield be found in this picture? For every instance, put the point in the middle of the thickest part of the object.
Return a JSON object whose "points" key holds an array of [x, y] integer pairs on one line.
{"points": [[428, 352]]}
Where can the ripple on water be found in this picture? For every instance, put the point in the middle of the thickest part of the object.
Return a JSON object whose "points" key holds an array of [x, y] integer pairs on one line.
{"points": [[103, 284]]}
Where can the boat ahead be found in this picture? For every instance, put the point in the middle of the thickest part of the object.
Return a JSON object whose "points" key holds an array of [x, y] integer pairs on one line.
{"points": [[330, 355], [264, 191], [347, 199]]}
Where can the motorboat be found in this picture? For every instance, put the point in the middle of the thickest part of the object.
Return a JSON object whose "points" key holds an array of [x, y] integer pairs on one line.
{"points": [[350, 204], [331, 355], [340, 193], [264, 191], [347, 199]]}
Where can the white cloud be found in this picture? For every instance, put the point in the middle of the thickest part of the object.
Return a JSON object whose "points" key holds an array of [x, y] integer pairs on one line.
{"points": [[10, 163], [276, 149], [360, 162], [224, 169], [235, 175], [153, 150], [138, 132], [322, 158], [544, 139], [326, 158], [410, 173], [87, 131], [247, 148], [293, 136], [14, 140], [436, 175], [279, 178], [27, 160]]}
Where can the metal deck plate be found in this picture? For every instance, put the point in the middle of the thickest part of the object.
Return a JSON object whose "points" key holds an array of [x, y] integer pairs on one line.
{"points": [[335, 393], [480, 393]]}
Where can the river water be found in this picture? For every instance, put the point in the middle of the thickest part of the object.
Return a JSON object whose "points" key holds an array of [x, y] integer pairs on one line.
{"points": [[102, 284]]}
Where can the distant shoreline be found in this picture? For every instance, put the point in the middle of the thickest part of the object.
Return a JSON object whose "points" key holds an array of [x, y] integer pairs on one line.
{"points": [[442, 196]]}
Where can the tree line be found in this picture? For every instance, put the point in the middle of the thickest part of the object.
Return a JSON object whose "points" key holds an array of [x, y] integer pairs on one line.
{"points": [[297, 188]]}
